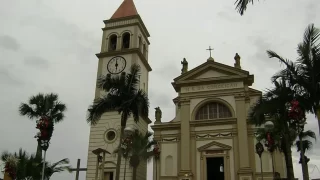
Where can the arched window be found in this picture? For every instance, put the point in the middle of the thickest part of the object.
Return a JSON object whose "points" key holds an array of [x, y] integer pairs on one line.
{"points": [[213, 110], [113, 42], [126, 40]]}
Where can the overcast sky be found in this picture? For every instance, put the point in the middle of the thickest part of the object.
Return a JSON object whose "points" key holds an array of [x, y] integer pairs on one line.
{"points": [[50, 46]]}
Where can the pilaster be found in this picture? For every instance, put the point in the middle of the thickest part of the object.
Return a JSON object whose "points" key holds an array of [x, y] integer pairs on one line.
{"points": [[156, 162], [104, 43], [193, 154], [245, 171], [99, 73], [278, 163], [185, 170]]}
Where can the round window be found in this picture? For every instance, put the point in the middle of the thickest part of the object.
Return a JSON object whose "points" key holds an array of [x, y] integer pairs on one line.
{"points": [[110, 135]]}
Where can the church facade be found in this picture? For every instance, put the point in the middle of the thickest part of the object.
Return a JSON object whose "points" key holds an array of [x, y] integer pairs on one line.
{"points": [[209, 137]]}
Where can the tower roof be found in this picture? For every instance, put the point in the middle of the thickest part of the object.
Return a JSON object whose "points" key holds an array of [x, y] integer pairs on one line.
{"points": [[127, 8]]}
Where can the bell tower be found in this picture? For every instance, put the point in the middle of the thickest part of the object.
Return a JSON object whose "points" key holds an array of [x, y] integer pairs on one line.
{"points": [[124, 42]]}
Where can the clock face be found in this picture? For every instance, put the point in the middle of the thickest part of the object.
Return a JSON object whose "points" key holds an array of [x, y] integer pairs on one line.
{"points": [[116, 65]]}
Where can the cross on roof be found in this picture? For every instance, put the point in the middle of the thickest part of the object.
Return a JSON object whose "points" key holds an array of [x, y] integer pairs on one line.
{"points": [[210, 50]]}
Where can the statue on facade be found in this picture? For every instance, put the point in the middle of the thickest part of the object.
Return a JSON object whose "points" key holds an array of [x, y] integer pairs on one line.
{"points": [[158, 114], [184, 66], [237, 59]]}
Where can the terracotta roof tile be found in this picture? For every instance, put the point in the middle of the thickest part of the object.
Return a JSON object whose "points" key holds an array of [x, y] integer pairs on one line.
{"points": [[127, 8]]}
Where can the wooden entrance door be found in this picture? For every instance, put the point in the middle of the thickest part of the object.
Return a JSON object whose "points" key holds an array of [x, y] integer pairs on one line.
{"points": [[108, 176]]}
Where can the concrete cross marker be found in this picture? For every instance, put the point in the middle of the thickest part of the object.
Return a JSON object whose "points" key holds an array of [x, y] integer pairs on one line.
{"points": [[78, 169]]}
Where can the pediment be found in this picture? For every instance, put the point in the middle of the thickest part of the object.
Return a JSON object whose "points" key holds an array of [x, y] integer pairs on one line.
{"points": [[214, 146], [210, 73], [212, 69]]}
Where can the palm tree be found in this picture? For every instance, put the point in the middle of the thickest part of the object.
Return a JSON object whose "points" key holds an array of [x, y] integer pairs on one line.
{"points": [[26, 165], [43, 105], [140, 150], [124, 96], [273, 105], [302, 145], [29, 167], [304, 73]]}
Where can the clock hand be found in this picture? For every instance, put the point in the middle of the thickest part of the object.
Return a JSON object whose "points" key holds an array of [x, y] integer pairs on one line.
{"points": [[116, 64]]}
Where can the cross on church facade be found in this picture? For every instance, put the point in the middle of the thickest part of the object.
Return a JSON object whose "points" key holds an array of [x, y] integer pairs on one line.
{"points": [[210, 50], [78, 169]]}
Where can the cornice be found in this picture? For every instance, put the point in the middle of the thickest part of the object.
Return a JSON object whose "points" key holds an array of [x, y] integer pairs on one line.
{"points": [[224, 79], [240, 96], [184, 101], [213, 122], [126, 51], [230, 78], [216, 93], [215, 131], [147, 120], [166, 126]]}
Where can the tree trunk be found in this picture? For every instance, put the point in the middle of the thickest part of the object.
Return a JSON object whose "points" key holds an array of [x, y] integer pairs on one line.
{"points": [[134, 173], [125, 169], [303, 160], [319, 122], [288, 154], [39, 152], [119, 153], [318, 117]]}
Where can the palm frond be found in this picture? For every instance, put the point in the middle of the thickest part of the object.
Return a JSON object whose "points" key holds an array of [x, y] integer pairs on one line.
{"points": [[310, 39], [308, 134], [58, 117], [4, 155], [101, 105], [306, 145], [139, 105], [50, 100], [26, 110], [132, 79], [58, 108], [64, 162], [241, 5], [110, 83]]}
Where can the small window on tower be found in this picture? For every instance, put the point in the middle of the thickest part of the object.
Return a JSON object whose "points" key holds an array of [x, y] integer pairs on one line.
{"points": [[126, 41], [113, 42], [145, 50], [140, 44]]}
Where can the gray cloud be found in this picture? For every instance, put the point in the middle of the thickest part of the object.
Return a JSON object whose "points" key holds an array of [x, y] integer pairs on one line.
{"points": [[159, 98], [36, 61], [8, 78], [225, 15], [9, 42], [167, 71], [312, 7]]}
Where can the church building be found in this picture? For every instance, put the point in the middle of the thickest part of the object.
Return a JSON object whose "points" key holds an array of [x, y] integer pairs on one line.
{"points": [[208, 139]]}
